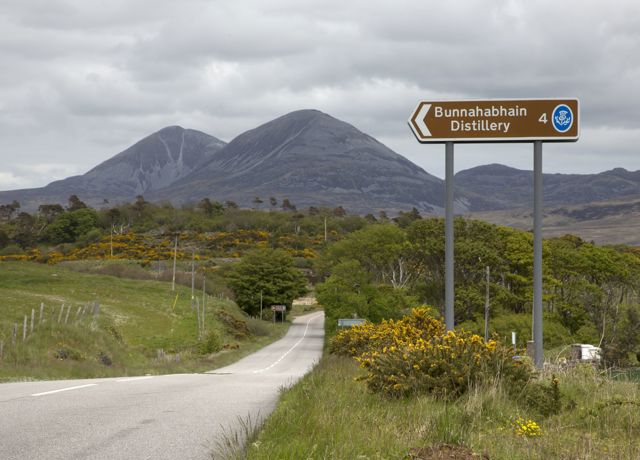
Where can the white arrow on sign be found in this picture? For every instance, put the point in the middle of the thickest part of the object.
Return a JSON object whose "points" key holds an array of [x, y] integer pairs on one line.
{"points": [[419, 120]]}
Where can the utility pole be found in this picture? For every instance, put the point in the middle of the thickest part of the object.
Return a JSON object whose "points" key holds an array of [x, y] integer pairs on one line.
{"points": [[325, 229]]}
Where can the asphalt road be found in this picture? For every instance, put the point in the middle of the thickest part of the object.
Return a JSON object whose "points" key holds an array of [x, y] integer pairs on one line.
{"points": [[174, 417]]}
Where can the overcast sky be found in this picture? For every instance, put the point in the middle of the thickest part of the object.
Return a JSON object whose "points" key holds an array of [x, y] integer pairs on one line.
{"points": [[82, 80]]}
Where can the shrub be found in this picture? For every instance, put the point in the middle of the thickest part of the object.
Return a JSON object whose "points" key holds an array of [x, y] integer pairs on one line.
{"points": [[104, 358], [356, 341], [64, 352], [258, 328], [416, 355], [236, 327], [544, 400], [527, 428], [12, 249], [211, 343]]}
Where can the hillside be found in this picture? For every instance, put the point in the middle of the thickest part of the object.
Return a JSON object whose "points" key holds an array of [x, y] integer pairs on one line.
{"points": [[497, 187], [607, 222], [113, 326]]}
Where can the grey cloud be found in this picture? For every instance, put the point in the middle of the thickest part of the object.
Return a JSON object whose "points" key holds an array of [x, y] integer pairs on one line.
{"points": [[85, 79]]}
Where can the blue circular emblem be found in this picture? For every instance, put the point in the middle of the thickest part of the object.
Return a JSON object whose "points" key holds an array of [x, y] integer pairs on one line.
{"points": [[562, 118]]}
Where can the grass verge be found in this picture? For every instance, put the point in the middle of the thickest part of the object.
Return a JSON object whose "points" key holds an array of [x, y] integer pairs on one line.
{"points": [[329, 415]]}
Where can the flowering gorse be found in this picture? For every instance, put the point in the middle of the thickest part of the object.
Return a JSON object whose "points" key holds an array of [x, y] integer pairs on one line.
{"points": [[148, 247], [527, 428], [416, 355]]}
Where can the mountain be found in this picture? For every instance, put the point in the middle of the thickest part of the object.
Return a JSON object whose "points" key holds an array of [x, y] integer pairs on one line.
{"points": [[312, 159], [605, 222], [496, 187], [153, 163]]}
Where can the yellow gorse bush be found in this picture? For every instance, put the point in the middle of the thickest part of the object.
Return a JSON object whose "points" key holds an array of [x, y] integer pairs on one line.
{"points": [[148, 247], [527, 428], [416, 355], [417, 328]]}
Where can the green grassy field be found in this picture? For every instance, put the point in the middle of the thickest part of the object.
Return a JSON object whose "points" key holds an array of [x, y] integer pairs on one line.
{"points": [[142, 326], [329, 415]]}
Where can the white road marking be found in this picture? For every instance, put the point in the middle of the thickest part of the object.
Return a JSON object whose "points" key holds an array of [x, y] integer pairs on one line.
{"points": [[65, 389], [290, 349], [133, 379]]}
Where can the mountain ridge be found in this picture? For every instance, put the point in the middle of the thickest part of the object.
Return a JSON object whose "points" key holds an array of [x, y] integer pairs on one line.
{"points": [[312, 159], [511, 188]]}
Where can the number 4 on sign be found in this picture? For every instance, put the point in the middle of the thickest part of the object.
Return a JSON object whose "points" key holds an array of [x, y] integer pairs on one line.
{"points": [[543, 118]]}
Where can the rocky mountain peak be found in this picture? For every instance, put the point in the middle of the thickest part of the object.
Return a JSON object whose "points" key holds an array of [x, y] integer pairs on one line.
{"points": [[313, 159]]}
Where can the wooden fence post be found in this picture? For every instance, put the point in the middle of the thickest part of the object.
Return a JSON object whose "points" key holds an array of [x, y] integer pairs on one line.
{"points": [[1, 349], [78, 313], [66, 318], [204, 299], [15, 334], [33, 318], [24, 329], [198, 315], [60, 314]]}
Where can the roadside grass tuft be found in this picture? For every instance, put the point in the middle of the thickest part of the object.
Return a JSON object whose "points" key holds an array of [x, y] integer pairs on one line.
{"points": [[230, 444], [329, 414]]}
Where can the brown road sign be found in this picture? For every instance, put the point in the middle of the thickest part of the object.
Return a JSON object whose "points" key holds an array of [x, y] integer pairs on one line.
{"points": [[497, 120]]}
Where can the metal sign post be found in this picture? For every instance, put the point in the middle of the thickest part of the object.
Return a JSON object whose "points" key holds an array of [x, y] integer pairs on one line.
{"points": [[537, 253], [449, 296], [278, 308], [497, 120]]}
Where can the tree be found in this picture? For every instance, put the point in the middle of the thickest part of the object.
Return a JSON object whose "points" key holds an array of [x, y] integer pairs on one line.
{"points": [[112, 216], [273, 202], [383, 250], [75, 203], [7, 210], [339, 212], [68, 227], [25, 233], [626, 342], [4, 239], [405, 219], [257, 201], [288, 205], [270, 272], [230, 204], [139, 205], [48, 212], [210, 208], [350, 291]]}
